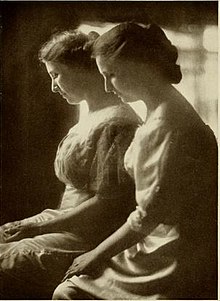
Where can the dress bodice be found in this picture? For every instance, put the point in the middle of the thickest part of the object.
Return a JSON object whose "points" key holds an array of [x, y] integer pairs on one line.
{"points": [[77, 152], [169, 159]]}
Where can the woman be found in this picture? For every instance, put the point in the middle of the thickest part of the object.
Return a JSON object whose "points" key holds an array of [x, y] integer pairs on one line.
{"points": [[167, 247], [99, 193]]}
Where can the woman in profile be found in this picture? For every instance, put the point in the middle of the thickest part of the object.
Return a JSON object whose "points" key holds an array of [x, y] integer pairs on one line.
{"points": [[167, 247], [36, 252]]}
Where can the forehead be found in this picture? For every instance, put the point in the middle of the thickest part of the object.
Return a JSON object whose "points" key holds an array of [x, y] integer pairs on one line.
{"points": [[105, 64], [56, 67], [112, 64], [51, 66]]}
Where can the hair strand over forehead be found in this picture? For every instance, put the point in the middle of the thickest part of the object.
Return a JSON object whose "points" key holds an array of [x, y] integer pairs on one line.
{"points": [[68, 47]]}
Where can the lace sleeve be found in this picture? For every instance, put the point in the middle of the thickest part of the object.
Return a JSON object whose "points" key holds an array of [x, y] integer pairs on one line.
{"points": [[108, 173]]}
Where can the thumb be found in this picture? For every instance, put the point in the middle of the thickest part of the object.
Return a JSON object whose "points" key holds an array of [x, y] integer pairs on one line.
{"points": [[14, 237], [11, 230]]}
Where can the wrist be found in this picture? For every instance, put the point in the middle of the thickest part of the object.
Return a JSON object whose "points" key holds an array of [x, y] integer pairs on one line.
{"points": [[96, 253], [100, 254], [41, 228]]}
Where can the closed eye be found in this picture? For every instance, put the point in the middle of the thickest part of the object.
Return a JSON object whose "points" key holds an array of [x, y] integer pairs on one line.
{"points": [[112, 75], [108, 75], [54, 75]]}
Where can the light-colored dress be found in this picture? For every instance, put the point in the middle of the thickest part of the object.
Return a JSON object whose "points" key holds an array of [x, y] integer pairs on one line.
{"points": [[89, 161], [173, 160]]}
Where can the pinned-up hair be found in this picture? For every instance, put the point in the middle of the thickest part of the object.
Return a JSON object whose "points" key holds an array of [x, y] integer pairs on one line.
{"points": [[70, 48], [141, 43]]}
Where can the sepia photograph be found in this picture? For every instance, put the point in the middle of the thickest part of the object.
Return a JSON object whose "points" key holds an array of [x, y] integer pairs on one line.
{"points": [[109, 150]]}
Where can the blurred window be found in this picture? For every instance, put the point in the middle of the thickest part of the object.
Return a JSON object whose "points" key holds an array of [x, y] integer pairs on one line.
{"points": [[198, 58]]}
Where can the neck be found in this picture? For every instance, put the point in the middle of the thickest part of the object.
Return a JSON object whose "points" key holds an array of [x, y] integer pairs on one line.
{"points": [[154, 96], [97, 101], [97, 98]]}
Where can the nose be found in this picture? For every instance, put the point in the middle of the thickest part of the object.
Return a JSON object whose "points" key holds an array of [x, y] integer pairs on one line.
{"points": [[108, 85], [54, 87]]}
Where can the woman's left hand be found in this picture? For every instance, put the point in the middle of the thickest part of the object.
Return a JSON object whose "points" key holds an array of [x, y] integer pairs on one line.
{"points": [[88, 263], [22, 231]]}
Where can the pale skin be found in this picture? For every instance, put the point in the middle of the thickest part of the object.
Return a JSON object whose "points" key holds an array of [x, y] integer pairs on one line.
{"points": [[74, 85], [131, 81], [120, 240]]}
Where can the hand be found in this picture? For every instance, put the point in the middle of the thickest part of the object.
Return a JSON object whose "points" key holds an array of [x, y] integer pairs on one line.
{"points": [[21, 231], [88, 263]]}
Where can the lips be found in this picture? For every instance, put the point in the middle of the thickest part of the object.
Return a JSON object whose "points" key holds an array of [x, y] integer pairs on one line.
{"points": [[117, 93], [62, 94]]}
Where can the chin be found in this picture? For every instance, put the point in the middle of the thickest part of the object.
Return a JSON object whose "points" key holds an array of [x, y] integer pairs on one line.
{"points": [[127, 99], [72, 101]]}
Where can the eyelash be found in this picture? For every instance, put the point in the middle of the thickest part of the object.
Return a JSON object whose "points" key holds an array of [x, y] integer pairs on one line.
{"points": [[54, 76], [110, 76]]}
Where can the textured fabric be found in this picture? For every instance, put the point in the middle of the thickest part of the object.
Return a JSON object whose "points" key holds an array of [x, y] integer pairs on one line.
{"points": [[173, 160], [89, 161], [68, 291]]}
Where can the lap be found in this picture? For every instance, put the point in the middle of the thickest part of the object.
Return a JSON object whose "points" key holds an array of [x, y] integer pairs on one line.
{"points": [[43, 259], [38, 263], [45, 215]]}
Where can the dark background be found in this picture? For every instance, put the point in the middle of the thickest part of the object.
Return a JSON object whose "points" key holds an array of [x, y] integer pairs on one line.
{"points": [[33, 119]]}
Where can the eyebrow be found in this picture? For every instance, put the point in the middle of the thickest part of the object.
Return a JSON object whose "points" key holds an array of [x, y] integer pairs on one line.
{"points": [[107, 73]]}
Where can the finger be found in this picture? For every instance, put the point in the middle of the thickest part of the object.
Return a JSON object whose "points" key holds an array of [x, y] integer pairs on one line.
{"points": [[14, 237], [5, 234], [67, 276], [11, 230], [74, 270], [64, 278], [69, 271]]}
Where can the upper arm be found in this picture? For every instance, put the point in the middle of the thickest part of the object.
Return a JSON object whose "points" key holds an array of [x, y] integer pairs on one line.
{"points": [[112, 180], [153, 154]]}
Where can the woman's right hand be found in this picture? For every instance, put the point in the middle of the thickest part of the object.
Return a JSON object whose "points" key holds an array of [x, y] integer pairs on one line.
{"points": [[21, 231], [89, 263]]}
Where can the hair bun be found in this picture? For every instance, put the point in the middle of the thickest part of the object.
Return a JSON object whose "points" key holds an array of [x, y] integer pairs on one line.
{"points": [[165, 53], [174, 74], [92, 36]]}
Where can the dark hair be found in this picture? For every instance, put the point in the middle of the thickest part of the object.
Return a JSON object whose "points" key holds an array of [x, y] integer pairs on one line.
{"points": [[141, 42], [70, 48]]}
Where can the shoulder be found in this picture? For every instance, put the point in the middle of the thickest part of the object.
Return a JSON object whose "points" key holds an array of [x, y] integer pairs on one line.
{"points": [[116, 131], [156, 128], [176, 115], [115, 120]]}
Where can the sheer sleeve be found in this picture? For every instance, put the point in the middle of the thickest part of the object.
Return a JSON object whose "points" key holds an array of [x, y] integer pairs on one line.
{"points": [[107, 173]]}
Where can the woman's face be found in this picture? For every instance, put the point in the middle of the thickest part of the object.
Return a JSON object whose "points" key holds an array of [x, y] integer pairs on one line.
{"points": [[121, 77], [68, 81]]}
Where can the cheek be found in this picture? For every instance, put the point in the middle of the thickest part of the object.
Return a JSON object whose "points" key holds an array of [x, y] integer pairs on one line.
{"points": [[66, 84], [118, 83], [123, 85], [113, 82], [60, 82]]}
